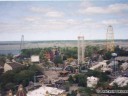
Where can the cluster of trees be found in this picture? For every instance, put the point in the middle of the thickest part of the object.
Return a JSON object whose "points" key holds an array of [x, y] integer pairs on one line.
{"points": [[4, 57], [70, 52], [11, 79], [2, 60], [63, 54], [66, 52], [120, 52], [81, 80], [90, 50], [26, 53]]}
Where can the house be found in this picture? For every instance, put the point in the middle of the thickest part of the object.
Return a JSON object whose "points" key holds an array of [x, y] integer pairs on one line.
{"points": [[35, 59], [124, 66], [120, 81], [99, 65], [92, 81], [12, 65], [106, 69], [47, 91]]}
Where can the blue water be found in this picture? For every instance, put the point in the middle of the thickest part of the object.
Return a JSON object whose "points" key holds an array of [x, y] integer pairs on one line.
{"points": [[5, 52]]}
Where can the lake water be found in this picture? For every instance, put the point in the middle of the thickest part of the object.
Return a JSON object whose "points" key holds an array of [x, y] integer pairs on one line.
{"points": [[14, 52]]}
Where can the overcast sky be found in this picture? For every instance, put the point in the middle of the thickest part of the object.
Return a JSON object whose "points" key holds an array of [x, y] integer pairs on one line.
{"points": [[63, 20]]}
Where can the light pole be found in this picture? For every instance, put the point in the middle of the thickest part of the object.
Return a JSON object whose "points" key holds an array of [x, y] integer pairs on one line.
{"points": [[114, 55], [35, 79]]}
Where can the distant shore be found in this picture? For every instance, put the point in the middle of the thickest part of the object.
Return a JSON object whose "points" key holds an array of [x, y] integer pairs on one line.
{"points": [[14, 46]]}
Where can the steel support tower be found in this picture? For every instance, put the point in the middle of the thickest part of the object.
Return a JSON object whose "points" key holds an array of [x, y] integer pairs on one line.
{"points": [[22, 42], [81, 49], [110, 39]]}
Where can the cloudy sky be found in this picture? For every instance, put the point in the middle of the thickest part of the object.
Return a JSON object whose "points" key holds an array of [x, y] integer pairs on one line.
{"points": [[62, 20]]}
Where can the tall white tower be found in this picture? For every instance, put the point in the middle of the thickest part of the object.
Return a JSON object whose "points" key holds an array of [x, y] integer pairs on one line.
{"points": [[81, 49]]}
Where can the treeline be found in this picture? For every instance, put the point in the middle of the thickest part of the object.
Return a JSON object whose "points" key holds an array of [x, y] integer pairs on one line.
{"points": [[69, 52]]}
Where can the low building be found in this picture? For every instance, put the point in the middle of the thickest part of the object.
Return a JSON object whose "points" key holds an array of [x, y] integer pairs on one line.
{"points": [[99, 65], [35, 59], [11, 66], [46, 91], [120, 81], [92, 81], [124, 66], [106, 69]]}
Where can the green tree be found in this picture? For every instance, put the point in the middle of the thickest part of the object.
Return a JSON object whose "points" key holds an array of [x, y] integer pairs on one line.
{"points": [[70, 79], [2, 60], [10, 56], [58, 60], [81, 80], [90, 50]]}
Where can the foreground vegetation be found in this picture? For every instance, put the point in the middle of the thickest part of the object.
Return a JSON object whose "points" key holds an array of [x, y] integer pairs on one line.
{"points": [[11, 79]]}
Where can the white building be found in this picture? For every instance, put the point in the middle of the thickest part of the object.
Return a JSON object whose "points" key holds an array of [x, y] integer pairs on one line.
{"points": [[124, 66], [120, 81], [100, 64], [45, 91], [35, 59], [92, 81], [106, 69]]}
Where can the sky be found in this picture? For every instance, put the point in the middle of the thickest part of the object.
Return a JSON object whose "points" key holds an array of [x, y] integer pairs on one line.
{"points": [[62, 20]]}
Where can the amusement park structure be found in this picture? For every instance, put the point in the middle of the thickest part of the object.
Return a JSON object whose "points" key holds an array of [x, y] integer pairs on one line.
{"points": [[110, 38], [81, 49], [22, 42]]}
